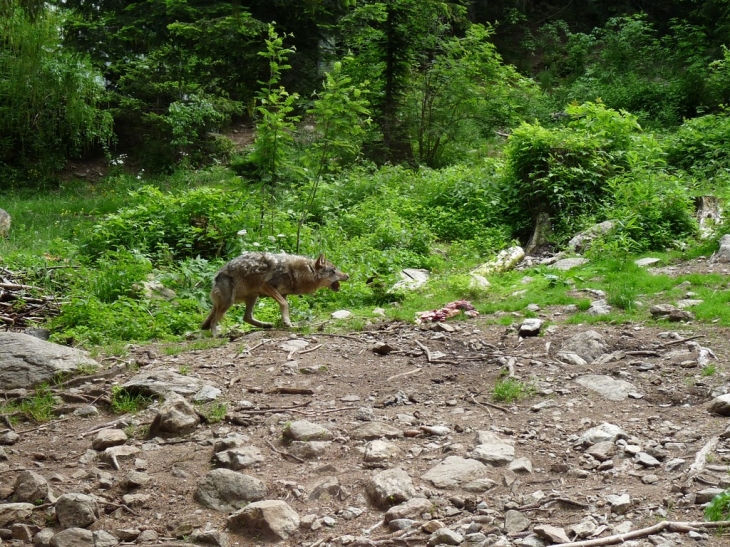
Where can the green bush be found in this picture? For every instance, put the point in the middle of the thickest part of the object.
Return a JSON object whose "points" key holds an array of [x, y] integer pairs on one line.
{"points": [[564, 171], [701, 147], [198, 222]]}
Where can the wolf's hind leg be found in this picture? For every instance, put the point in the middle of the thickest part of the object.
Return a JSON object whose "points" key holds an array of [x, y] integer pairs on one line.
{"points": [[248, 315], [223, 299]]}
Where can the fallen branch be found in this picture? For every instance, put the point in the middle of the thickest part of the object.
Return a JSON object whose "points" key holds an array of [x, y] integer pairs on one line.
{"points": [[274, 409], [671, 526], [682, 341], [485, 403], [310, 350], [701, 457], [291, 391], [283, 452], [429, 355], [414, 371]]}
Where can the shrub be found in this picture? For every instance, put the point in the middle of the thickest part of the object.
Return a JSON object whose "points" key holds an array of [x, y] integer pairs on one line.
{"points": [[198, 222], [700, 146]]}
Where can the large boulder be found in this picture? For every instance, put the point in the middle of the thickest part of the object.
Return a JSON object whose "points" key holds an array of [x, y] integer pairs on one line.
{"points": [[26, 361]]}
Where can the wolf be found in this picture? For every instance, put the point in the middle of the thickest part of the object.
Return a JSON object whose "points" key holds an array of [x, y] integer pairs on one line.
{"points": [[251, 275], [4, 223]]}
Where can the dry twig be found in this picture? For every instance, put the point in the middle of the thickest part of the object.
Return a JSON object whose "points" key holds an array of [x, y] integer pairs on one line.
{"points": [[670, 526]]}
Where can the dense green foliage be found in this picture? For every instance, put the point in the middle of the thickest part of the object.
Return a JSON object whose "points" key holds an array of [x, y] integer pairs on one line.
{"points": [[389, 135]]}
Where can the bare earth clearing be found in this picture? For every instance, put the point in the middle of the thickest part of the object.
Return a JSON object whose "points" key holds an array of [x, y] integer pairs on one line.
{"points": [[426, 411]]}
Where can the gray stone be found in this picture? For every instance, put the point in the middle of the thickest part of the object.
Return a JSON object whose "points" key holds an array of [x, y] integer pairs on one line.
{"points": [[530, 327], [76, 510], [505, 261], [210, 537], [600, 433], [226, 490], [272, 519], [107, 438], [454, 471], [409, 509], [26, 361], [24, 532], [515, 522], [444, 536], [521, 466], [304, 430], [619, 504], [104, 539], [480, 485], [496, 454], [148, 536], [43, 538], [551, 533], [646, 460], [646, 262], [238, 458], [602, 451], [207, 394], [73, 537], [15, 512], [30, 487], [326, 490], [584, 528], [723, 254], [389, 487], [706, 495], [310, 450], [588, 345], [411, 279], [176, 416], [607, 387], [599, 307], [369, 431], [160, 382], [667, 311], [720, 405], [401, 524], [582, 242], [134, 479], [378, 452]]}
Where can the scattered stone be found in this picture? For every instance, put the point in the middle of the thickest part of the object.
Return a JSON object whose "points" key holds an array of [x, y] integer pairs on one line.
{"points": [[706, 495], [515, 522], [160, 382], [107, 438], [601, 433], [606, 386], [599, 307], [273, 519], [381, 348], [646, 460], [444, 536], [31, 487], [588, 345], [176, 416], [409, 509], [669, 312], [238, 458], [521, 466], [602, 451], [389, 488], [530, 327], [411, 279], [134, 479], [566, 264], [619, 504], [226, 490], [76, 510], [26, 361], [303, 430], [582, 242], [210, 537], [310, 450], [720, 405], [380, 452], [646, 262], [73, 537], [341, 314], [454, 471], [506, 260], [496, 454], [15, 512], [370, 431], [723, 253], [551, 533], [207, 394]]}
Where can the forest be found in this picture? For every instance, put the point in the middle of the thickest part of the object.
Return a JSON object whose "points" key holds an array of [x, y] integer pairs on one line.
{"points": [[388, 135]]}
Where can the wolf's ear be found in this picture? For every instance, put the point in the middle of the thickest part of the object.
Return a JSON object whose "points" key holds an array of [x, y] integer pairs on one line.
{"points": [[321, 260]]}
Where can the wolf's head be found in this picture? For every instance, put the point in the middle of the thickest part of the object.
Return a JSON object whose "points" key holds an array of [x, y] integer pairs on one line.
{"points": [[329, 275]]}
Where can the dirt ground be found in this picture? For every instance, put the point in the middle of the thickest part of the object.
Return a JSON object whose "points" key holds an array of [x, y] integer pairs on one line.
{"points": [[333, 377]]}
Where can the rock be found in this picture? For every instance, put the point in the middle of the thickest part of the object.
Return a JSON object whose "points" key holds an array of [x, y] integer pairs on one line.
{"points": [[30, 487], [43, 538], [238, 458], [114, 453], [720, 405], [530, 327], [210, 537], [8, 438], [521, 466], [568, 263], [454, 471], [162, 382], [606, 386], [619, 504], [24, 532], [104, 539], [148, 536], [73, 537], [15, 512], [303, 430], [599, 307], [444, 536], [107, 438], [506, 260], [206, 394], [26, 361], [667, 311], [588, 345], [600, 433], [551, 533], [723, 254], [515, 522], [496, 454], [389, 488], [602, 451], [409, 509], [176, 416], [134, 479], [411, 279], [328, 489], [381, 348], [646, 460], [707, 495], [371, 431], [76, 510], [378, 452], [582, 242], [309, 450], [646, 262], [584, 528], [341, 314], [226, 490], [272, 519]]}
